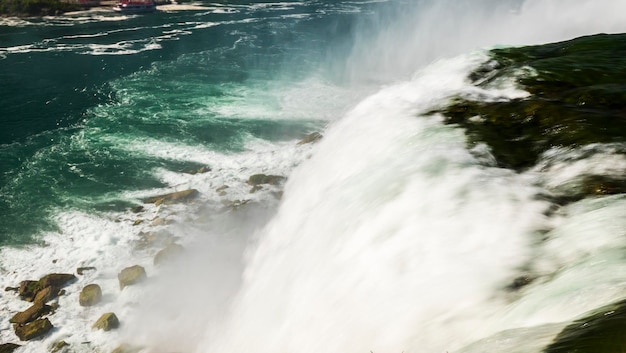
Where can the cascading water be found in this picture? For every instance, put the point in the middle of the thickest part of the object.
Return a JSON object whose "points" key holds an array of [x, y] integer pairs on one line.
{"points": [[392, 235]]}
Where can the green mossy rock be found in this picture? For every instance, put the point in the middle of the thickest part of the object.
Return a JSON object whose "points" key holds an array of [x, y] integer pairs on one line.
{"points": [[131, 275], [33, 330], [90, 295], [602, 331], [259, 179], [107, 322], [8, 347], [578, 98], [59, 347], [28, 290]]}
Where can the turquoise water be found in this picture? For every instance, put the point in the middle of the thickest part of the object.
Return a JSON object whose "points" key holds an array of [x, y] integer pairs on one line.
{"points": [[390, 234], [77, 91]]}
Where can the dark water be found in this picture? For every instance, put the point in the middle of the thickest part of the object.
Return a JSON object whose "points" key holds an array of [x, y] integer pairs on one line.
{"points": [[77, 90]]}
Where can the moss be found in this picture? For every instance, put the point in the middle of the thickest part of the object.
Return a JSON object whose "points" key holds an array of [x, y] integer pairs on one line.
{"points": [[578, 97]]}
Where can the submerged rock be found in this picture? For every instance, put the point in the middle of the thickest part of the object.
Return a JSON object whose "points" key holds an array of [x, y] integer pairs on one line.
{"points": [[57, 347], [131, 275], [33, 330], [171, 251], [174, 197], [602, 331], [310, 138], [81, 270], [107, 322]]}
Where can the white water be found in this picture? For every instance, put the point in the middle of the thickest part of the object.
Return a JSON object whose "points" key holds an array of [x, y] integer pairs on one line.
{"points": [[392, 237]]}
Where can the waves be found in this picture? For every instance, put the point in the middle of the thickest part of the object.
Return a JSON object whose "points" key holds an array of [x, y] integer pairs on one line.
{"points": [[391, 234]]}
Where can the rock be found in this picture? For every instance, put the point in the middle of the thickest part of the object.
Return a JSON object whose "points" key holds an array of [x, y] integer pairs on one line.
{"points": [[47, 294], [259, 179], [12, 289], [28, 289], [35, 329], [174, 197], [601, 331], [131, 275], [8, 347], [138, 222], [255, 189], [34, 312], [222, 190], [82, 270], [57, 347], [58, 280], [90, 295], [160, 222], [310, 138], [107, 322], [170, 252], [137, 209], [577, 98]]}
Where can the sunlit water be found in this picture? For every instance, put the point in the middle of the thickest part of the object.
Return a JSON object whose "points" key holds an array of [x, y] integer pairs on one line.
{"points": [[390, 236]]}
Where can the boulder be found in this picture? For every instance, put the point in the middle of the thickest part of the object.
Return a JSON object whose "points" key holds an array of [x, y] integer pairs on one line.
{"points": [[131, 275], [107, 322], [90, 295], [125, 348], [8, 347], [310, 138], [34, 329], [168, 253], [174, 197], [259, 179], [58, 280], [34, 312]]}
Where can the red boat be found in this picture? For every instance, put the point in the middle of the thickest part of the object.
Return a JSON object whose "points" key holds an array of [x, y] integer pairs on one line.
{"points": [[134, 6]]}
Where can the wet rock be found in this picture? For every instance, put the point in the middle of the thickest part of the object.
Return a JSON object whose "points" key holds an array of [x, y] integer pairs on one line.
{"points": [[222, 190], [82, 270], [137, 209], [520, 282], [34, 312], [131, 275], [47, 294], [12, 289], [259, 179], [57, 280], [601, 331], [107, 322], [171, 251], [8, 347], [59, 346], [28, 289], [310, 138], [578, 98], [90, 295], [174, 197], [33, 330]]}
